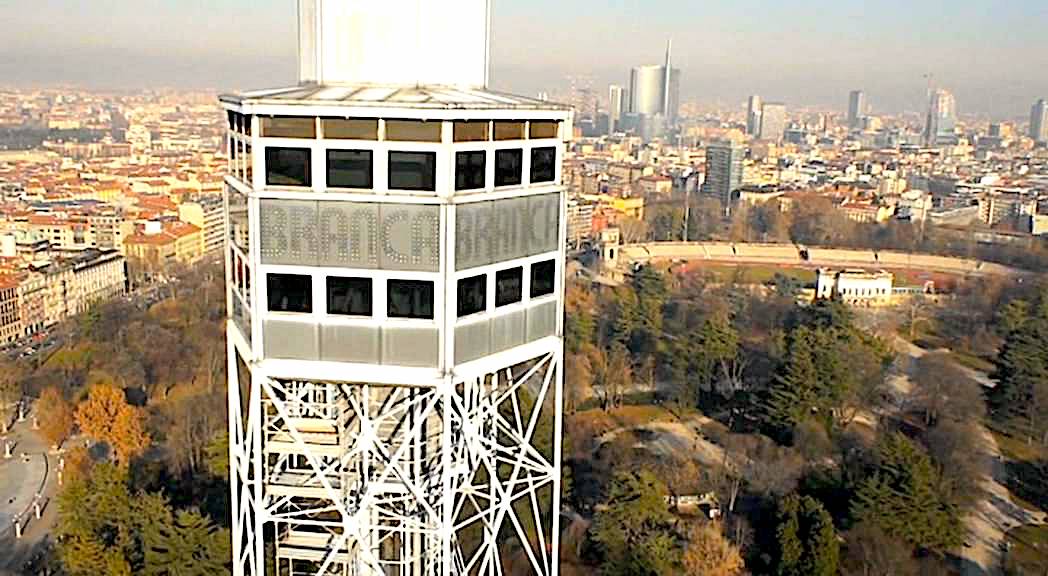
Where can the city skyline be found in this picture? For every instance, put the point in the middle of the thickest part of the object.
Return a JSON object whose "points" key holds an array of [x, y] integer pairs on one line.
{"points": [[886, 54]]}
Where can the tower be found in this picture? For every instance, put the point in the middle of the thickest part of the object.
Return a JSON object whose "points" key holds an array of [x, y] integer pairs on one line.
{"points": [[616, 101], [753, 116], [773, 121], [856, 109], [1039, 121], [395, 269], [723, 171], [941, 125]]}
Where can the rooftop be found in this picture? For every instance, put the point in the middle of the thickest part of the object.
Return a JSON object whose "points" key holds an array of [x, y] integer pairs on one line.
{"points": [[369, 95]]}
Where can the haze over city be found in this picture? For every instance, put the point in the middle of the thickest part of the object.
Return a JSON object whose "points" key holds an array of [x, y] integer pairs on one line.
{"points": [[990, 54]]}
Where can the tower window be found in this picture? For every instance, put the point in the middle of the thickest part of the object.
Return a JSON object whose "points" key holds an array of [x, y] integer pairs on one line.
{"points": [[410, 299], [509, 167], [543, 278], [543, 164], [413, 131], [290, 293], [413, 171], [350, 128], [509, 130], [509, 287], [349, 168], [472, 295], [475, 131], [349, 296], [543, 129], [285, 127], [470, 170], [288, 167]]}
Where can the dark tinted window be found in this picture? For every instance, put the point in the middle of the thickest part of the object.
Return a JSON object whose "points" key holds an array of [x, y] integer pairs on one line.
{"points": [[543, 278], [287, 167], [472, 295], [413, 171], [410, 299], [349, 296], [509, 286], [509, 167], [349, 168], [543, 164], [469, 170], [290, 293]]}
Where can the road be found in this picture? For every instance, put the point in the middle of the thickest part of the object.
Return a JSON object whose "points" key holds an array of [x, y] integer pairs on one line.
{"points": [[29, 474], [994, 514]]}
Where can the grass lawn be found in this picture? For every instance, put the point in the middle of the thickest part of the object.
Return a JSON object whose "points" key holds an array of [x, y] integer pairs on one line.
{"points": [[973, 362], [1018, 449], [586, 427], [1029, 550], [755, 274]]}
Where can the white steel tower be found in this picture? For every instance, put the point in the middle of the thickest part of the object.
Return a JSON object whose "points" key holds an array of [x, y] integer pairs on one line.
{"points": [[395, 268]]}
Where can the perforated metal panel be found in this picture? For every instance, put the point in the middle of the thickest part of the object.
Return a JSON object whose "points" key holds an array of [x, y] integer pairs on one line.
{"points": [[416, 347], [349, 234], [357, 344], [507, 331], [410, 237], [473, 235], [289, 232], [289, 340], [488, 232], [508, 236], [472, 341], [543, 223], [542, 321]]}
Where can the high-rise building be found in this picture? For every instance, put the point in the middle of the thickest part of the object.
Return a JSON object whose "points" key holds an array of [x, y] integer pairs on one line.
{"points": [[723, 170], [753, 116], [773, 121], [856, 109], [616, 102], [941, 125], [395, 273], [654, 96], [1039, 121]]}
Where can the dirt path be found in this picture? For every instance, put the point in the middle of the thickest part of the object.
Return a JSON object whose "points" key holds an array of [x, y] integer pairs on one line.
{"points": [[990, 519]]}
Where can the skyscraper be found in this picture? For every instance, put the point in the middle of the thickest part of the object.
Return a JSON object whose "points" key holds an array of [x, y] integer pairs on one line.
{"points": [[395, 296], [616, 100], [654, 95], [856, 109], [773, 121], [1039, 121], [723, 170], [753, 116], [940, 129]]}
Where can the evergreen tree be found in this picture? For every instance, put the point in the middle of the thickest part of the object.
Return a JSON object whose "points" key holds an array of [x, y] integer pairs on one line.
{"points": [[1020, 399], [902, 498], [634, 530], [806, 539]]}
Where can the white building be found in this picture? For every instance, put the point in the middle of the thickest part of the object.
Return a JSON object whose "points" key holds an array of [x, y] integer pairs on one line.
{"points": [[395, 271], [855, 287]]}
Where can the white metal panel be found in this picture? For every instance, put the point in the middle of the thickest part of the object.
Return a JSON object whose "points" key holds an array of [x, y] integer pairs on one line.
{"points": [[398, 42]]}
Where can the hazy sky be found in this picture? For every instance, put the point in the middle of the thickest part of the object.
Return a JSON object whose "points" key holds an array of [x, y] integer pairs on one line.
{"points": [[992, 53]]}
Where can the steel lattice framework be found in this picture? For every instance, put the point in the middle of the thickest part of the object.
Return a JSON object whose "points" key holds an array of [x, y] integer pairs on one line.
{"points": [[368, 479]]}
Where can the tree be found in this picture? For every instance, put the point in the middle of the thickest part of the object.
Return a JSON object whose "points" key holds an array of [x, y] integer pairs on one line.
{"points": [[11, 375], [106, 528], [902, 498], [106, 416], [871, 552], [806, 539], [186, 545], [55, 416], [942, 390], [709, 553], [1020, 399], [633, 230], [218, 456], [634, 530], [578, 380]]}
